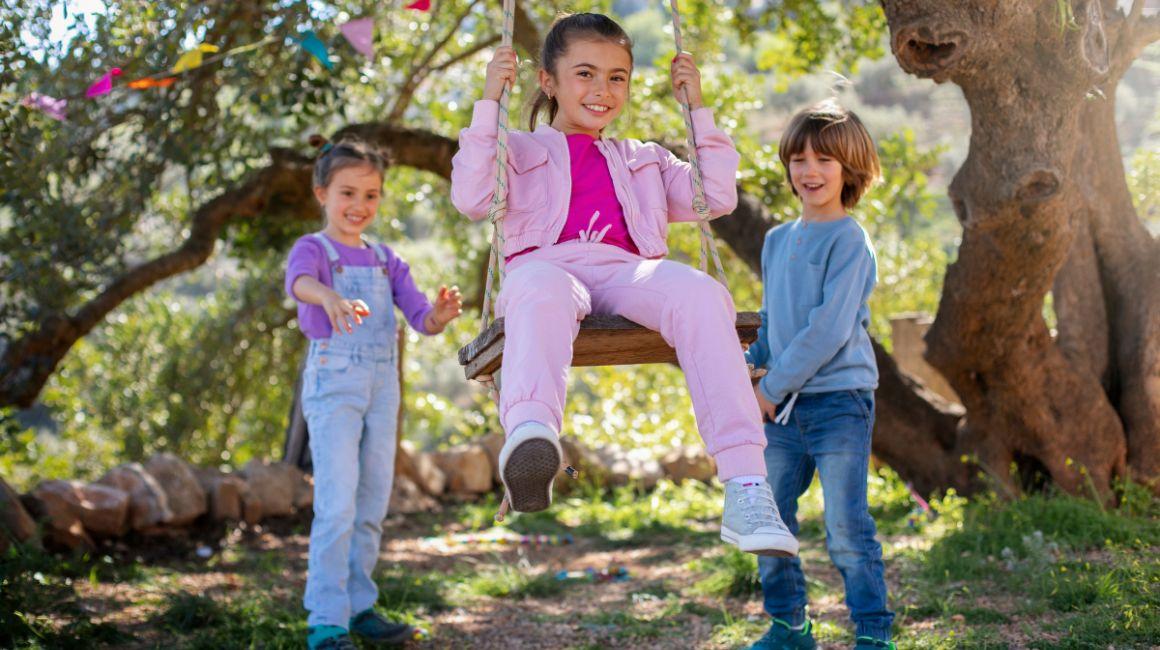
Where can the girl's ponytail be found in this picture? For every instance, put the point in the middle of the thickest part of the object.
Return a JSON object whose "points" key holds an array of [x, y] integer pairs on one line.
{"points": [[538, 104]]}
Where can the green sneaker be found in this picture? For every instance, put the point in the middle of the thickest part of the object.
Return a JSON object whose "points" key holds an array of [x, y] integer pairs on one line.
{"points": [[783, 637], [870, 643], [375, 627], [328, 637]]}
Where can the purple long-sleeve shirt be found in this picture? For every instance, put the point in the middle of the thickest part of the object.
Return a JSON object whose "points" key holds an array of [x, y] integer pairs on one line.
{"points": [[308, 257]]}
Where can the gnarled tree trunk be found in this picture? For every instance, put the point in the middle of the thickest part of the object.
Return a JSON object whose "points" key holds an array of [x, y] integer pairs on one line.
{"points": [[1043, 200]]}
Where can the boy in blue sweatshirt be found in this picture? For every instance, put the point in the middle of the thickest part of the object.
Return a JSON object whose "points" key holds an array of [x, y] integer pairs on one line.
{"points": [[817, 393]]}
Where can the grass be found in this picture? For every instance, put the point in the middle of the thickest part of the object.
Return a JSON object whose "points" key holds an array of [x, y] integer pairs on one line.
{"points": [[1086, 574], [38, 608], [252, 620], [1044, 571], [516, 583]]}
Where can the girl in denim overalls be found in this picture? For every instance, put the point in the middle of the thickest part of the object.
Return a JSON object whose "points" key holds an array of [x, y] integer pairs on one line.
{"points": [[584, 233], [347, 289]]}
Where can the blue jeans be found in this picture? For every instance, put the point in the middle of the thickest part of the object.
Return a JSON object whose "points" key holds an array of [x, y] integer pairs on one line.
{"points": [[829, 432]]}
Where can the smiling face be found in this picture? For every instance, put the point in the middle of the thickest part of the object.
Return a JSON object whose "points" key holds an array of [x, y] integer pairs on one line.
{"points": [[590, 85], [818, 180], [350, 202]]}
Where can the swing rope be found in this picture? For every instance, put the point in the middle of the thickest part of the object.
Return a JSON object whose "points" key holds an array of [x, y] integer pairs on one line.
{"points": [[700, 204], [496, 264]]}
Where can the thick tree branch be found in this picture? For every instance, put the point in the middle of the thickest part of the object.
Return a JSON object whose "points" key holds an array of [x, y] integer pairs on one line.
{"points": [[421, 70], [526, 35]]}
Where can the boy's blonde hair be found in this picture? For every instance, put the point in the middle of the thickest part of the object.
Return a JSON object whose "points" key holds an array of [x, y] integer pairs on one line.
{"points": [[837, 132]]}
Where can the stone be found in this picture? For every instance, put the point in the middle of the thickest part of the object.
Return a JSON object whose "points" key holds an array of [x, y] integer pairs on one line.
{"points": [[103, 509], [224, 493], [420, 468], [272, 485], [16, 525], [148, 503], [634, 465], [689, 463], [467, 467], [493, 443], [407, 498], [303, 488], [187, 500], [55, 504]]}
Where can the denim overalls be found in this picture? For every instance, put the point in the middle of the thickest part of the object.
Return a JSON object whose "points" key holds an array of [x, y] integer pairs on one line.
{"points": [[350, 397]]}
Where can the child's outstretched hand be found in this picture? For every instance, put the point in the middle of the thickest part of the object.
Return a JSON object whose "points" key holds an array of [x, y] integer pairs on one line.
{"points": [[448, 307], [686, 75], [344, 314], [500, 70]]}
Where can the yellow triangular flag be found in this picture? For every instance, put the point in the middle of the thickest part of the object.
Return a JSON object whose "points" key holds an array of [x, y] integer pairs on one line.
{"points": [[192, 58]]}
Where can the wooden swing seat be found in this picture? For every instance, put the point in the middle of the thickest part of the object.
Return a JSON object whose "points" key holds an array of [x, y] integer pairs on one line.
{"points": [[604, 340]]}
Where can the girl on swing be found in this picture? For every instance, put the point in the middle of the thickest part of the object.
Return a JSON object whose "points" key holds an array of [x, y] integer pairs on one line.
{"points": [[587, 217]]}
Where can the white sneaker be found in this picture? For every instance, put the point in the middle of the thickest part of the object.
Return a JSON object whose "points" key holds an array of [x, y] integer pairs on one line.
{"points": [[751, 521], [528, 464]]}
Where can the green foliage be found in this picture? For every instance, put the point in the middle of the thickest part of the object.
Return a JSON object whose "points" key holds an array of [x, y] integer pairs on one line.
{"points": [[1144, 186], [208, 377], [732, 573], [1072, 523], [254, 620], [512, 582], [37, 607]]}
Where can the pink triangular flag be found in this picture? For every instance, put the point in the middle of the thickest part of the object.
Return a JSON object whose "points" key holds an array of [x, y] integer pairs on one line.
{"points": [[420, 5], [50, 106], [104, 85], [361, 34]]}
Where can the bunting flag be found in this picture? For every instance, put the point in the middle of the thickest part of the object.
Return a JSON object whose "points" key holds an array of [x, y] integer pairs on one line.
{"points": [[361, 34], [193, 58], [150, 82], [104, 85], [312, 44], [50, 106]]}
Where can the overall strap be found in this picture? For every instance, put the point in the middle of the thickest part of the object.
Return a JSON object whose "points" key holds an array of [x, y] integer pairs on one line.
{"points": [[380, 251], [331, 252]]}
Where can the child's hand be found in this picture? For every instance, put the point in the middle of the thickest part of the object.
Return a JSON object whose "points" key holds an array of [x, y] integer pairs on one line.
{"points": [[768, 408], [448, 307], [344, 314], [501, 70], [686, 75]]}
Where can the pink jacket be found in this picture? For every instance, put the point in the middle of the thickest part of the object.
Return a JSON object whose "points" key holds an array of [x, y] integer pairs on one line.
{"points": [[653, 186]]}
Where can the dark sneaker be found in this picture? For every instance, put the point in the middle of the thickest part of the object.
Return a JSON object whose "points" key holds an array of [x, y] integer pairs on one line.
{"points": [[528, 464], [328, 637], [870, 643], [782, 637], [375, 627]]}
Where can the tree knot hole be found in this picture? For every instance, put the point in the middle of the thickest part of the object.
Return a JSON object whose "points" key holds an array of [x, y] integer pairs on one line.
{"points": [[927, 53], [1037, 186]]}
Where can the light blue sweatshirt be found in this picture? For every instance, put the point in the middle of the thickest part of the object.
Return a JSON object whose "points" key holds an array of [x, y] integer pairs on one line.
{"points": [[817, 277]]}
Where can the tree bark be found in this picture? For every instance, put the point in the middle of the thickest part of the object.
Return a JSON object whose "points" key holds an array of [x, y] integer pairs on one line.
{"points": [[1041, 201]]}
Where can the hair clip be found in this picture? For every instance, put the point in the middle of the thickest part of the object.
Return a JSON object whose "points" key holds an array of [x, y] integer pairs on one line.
{"points": [[325, 149]]}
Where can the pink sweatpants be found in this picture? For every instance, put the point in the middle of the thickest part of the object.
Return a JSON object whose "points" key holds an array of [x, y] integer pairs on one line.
{"points": [[546, 294]]}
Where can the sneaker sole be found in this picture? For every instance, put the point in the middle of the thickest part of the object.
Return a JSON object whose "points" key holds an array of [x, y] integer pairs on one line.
{"points": [[769, 544], [528, 474]]}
